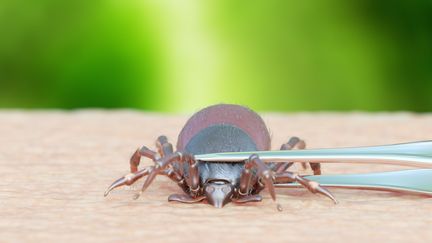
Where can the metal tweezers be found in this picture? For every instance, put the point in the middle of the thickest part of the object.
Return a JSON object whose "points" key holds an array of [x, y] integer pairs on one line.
{"points": [[415, 154]]}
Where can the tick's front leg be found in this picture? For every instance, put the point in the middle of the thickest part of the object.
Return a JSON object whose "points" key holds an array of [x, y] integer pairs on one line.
{"points": [[128, 179], [192, 180], [249, 182], [165, 149], [142, 152], [191, 183]]}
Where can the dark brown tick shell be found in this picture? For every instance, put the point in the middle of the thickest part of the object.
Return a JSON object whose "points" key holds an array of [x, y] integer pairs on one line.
{"points": [[226, 114]]}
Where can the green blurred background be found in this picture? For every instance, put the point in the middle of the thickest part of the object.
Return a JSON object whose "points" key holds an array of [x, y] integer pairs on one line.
{"points": [[182, 55]]}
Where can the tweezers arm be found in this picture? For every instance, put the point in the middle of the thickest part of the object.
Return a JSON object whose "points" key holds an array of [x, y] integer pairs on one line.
{"points": [[411, 181], [416, 154]]}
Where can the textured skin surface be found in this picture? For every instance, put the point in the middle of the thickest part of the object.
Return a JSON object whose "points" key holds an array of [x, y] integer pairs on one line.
{"points": [[55, 166]]}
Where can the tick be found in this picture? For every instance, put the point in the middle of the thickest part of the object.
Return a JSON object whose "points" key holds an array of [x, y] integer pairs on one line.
{"points": [[222, 155]]}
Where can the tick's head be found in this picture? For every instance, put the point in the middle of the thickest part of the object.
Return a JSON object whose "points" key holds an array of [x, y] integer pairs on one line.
{"points": [[218, 192]]}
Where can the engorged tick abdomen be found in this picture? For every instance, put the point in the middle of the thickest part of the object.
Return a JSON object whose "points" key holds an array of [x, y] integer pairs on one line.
{"points": [[226, 114]]}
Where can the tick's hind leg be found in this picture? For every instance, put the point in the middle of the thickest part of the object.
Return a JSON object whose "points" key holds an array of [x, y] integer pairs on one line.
{"points": [[312, 186], [295, 142]]}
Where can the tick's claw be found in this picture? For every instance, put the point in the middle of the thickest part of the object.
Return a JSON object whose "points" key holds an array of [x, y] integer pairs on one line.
{"points": [[268, 181], [312, 186], [128, 179], [328, 194], [317, 188], [120, 182]]}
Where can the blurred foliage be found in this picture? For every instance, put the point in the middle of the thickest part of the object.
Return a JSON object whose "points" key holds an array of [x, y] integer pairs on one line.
{"points": [[181, 55], [76, 54]]}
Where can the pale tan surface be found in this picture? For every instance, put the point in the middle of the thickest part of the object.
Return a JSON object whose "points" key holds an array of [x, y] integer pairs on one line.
{"points": [[54, 167]]}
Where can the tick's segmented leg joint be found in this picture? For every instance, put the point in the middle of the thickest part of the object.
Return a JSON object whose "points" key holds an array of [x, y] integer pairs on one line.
{"points": [[265, 174], [141, 152], [163, 146], [193, 177], [245, 181]]}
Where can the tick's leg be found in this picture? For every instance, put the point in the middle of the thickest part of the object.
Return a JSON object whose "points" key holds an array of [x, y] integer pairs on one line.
{"points": [[248, 180], [128, 179], [312, 186], [189, 185], [316, 168], [184, 198], [164, 163], [164, 147], [248, 198], [165, 150], [142, 152], [131, 178], [295, 142], [192, 179]]}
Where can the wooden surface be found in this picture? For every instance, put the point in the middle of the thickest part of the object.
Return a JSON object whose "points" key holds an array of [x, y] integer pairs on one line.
{"points": [[55, 166]]}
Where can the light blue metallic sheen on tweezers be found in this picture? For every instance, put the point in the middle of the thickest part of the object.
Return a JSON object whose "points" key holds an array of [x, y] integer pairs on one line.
{"points": [[411, 181], [416, 154]]}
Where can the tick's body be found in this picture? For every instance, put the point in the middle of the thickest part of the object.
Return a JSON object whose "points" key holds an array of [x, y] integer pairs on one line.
{"points": [[219, 128], [222, 128], [220, 138]]}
